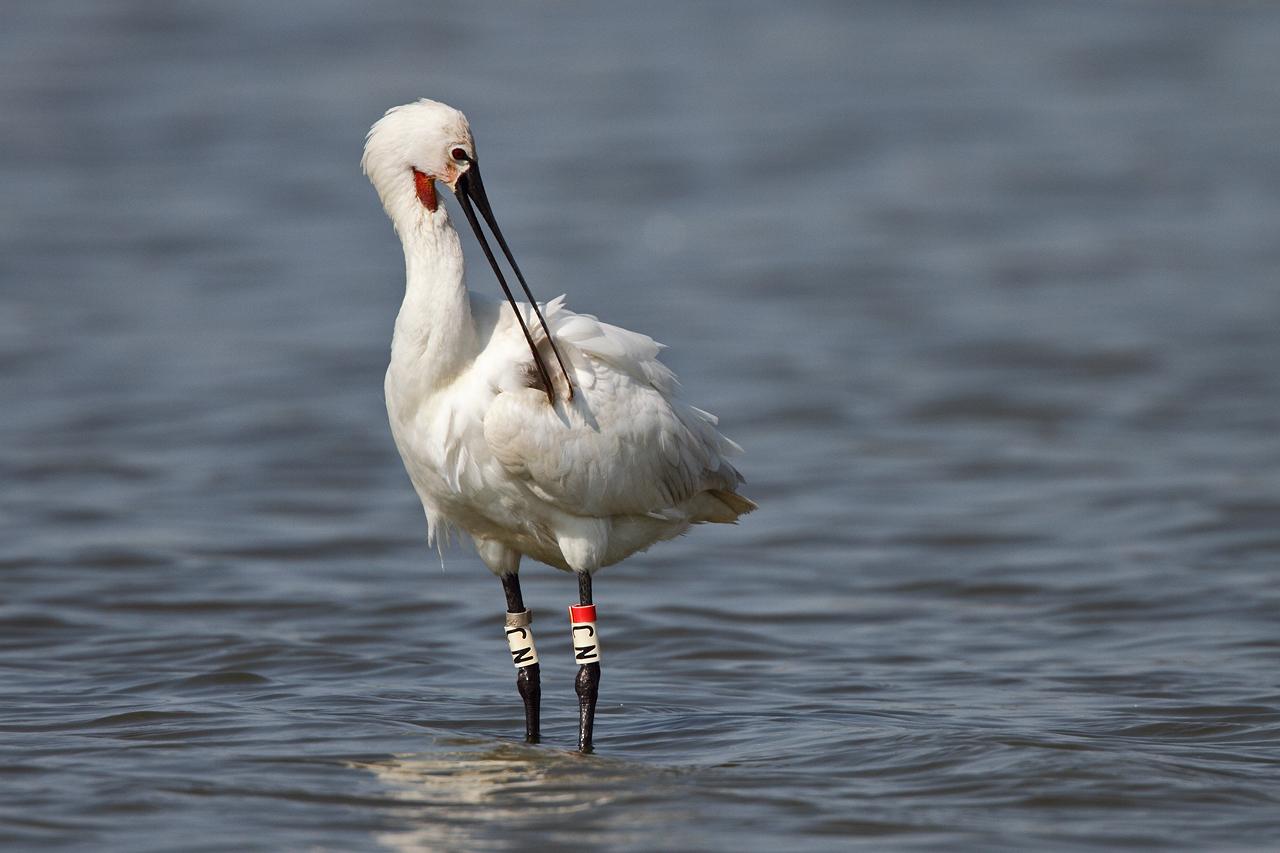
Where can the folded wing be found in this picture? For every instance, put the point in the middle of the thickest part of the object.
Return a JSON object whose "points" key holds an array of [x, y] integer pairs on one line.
{"points": [[625, 445]]}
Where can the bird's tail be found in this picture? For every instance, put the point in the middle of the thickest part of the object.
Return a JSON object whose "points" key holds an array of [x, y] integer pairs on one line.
{"points": [[719, 506]]}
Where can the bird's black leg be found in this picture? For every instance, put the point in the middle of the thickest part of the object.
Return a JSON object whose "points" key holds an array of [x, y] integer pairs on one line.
{"points": [[523, 655], [586, 649]]}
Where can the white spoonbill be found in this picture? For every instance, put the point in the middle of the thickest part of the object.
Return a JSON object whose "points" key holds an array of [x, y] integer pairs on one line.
{"points": [[538, 431]]}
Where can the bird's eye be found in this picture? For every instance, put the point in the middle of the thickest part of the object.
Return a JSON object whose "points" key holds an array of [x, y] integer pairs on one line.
{"points": [[459, 154]]}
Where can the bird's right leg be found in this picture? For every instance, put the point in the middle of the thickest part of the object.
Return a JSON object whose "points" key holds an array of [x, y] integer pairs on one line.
{"points": [[523, 655], [586, 649], [583, 543]]}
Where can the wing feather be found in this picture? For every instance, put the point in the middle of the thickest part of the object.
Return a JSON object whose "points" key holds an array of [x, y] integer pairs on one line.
{"points": [[625, 445]]}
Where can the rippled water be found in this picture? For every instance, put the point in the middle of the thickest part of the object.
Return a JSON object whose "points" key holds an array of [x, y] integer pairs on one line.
{"points": [[988, 291]]}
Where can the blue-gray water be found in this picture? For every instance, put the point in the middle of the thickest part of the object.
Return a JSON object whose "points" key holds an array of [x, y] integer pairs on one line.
{"points": [[988, 291]]}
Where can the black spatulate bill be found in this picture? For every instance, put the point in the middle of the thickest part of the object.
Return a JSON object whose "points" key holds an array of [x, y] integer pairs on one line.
{"points": [[469, 189]]}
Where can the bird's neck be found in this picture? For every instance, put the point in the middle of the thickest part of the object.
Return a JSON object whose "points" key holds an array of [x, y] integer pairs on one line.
{"points": [[434, 337]]}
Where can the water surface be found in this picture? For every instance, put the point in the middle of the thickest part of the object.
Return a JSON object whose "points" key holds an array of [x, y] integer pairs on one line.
{"points": [[987, 291]]}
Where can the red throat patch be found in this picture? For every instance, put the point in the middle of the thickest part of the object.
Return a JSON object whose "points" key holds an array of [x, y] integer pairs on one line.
{"points": [[426, 187]]}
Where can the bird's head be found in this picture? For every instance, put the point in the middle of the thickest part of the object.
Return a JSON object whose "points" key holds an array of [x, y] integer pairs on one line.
{"points": [[412, 147]]}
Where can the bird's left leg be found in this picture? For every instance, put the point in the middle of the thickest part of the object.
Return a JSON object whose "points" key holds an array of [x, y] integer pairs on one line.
{"points": [[523, 655], [504, 562], [586, 649]]}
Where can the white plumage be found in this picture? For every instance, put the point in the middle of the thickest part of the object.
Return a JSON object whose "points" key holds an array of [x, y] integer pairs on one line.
{"points": [[619, 465]]}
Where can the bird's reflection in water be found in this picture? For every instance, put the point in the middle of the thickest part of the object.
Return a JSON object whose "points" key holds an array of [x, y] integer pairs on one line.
{"points": [[493, 797]]}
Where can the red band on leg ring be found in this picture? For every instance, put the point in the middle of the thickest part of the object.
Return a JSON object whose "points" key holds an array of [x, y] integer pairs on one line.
{"points": [[586, 642]]}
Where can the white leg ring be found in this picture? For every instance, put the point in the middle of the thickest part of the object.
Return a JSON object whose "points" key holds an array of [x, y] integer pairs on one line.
{"points": [[520, 639], [582, 627]]}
